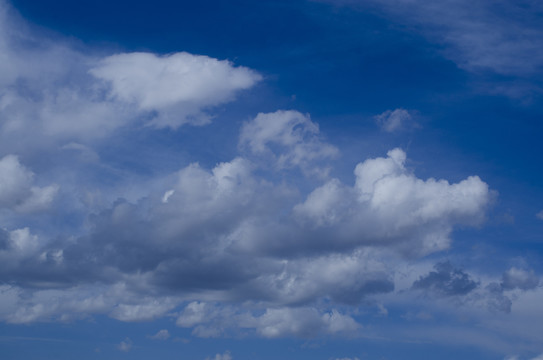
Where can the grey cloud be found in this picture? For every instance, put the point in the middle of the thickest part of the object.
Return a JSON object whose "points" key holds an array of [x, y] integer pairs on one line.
{"points": [[496, 300], [17, 190], [4, 239], [446, 280], [219, 237], [519, 279], [224, 235]]}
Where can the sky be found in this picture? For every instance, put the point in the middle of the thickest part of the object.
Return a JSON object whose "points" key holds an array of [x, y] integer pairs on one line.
{"points": [[257, 180]]}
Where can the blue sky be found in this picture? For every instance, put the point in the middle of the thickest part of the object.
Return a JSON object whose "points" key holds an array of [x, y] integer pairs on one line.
{"points": [[235, 180]]}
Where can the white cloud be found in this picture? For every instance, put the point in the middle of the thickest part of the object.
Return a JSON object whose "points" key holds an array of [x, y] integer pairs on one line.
{"points": [[388, 204], [125, 345], [305, 322], [15, 181], [289, 137], [181, 87], [515, 278], [161, 335], [225, 356], [16, 187], [61, 94], [539, 215], [211, 320], [394, 120], [144, 309]]}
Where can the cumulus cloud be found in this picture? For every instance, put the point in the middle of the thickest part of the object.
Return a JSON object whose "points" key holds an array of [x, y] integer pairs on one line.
{"points": [[394, 120], [179, 87], [235, 248], [389, 204], [539, 215], [16, 187], [61, 94], [288, 137], [227, 235]]}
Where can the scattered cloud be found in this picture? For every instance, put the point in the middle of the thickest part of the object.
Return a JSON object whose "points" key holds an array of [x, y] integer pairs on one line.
{"points": [[224, 356], [228, 248], [394, 120], [125, 345], [161, 335]]}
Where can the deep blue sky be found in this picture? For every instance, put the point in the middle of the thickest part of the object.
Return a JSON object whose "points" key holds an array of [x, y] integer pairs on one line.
{"points": [[335, 180]]}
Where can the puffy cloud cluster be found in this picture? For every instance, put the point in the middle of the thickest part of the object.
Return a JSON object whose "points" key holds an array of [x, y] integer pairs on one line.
{"points": [[290, 138], [227, 248], [226, 235], [389, 205], [17, 190]]}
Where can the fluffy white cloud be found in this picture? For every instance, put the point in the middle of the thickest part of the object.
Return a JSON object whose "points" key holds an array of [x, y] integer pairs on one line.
{"points": [[388, 204], [180, 87], [289, 137], [16, 187], [63, 95]]}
